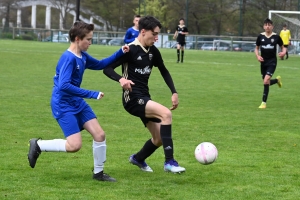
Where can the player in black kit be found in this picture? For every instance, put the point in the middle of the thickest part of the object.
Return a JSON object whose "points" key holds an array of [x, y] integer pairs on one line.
{"points": [[266, 42], [136, 68], [180, 33]]}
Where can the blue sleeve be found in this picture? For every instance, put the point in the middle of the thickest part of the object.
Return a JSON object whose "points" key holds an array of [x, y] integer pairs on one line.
{"points": [[68, 85], [127, 38], [94, 64]]}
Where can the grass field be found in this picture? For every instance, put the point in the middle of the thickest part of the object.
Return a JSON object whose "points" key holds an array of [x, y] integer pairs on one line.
{"points": [[219, 96]]}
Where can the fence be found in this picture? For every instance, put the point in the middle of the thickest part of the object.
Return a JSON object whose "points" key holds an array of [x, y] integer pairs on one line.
{"points": [[197, 42]]}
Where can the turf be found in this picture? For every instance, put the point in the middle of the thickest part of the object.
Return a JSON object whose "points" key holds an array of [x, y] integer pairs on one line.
{"points": [[219, 96]]}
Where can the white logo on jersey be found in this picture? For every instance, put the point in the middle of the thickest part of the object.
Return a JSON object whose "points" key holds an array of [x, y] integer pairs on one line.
{"points": [[139, 58], [146, 70], [78, 67], [268, 46], [263, 40]]}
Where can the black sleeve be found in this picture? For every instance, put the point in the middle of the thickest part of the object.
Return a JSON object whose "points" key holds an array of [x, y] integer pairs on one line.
{"points": [[109, 71], [167, 77]]}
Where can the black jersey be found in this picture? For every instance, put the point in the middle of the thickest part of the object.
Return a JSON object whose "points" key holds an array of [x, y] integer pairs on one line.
{"points": [[268, 45], [181, 37], [137, 65]]}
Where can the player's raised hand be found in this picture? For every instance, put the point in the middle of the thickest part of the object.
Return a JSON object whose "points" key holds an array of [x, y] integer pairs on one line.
{"points": [[125, 48], [175, 101], [126, 84]]}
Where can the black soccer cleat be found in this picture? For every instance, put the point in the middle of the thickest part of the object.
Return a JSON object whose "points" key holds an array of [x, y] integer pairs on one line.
{"points": [[34, 151], [103, 177]]}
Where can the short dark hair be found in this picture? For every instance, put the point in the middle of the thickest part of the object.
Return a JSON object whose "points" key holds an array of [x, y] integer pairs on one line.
{"points": [[268, 21], [136, 16], [181, 19], [149, 23], [80, 29], [284, 25]]}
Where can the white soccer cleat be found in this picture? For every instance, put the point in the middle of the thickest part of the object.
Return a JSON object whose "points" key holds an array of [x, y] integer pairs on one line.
{"points": [[172, 166]]}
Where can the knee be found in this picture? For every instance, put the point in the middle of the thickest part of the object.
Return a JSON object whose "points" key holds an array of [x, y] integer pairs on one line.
{"points": [[266, 82], [157, 141], [99, 136], [167, 117], [73, 146]]}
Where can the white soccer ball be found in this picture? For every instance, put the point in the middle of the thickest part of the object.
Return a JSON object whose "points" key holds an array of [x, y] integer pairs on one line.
{"points": [[206, 153]]}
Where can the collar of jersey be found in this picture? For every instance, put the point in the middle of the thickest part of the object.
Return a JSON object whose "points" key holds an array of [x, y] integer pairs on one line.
{"points": [[137, 43]]}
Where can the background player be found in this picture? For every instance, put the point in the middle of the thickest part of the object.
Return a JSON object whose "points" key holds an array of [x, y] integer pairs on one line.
{"points": [[266, 42], [137, 67], [132, 32], [285, 35], [180, 33], [72, 113]]}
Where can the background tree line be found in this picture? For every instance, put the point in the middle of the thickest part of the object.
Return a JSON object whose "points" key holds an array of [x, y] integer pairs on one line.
{"points": [[205, 17]]}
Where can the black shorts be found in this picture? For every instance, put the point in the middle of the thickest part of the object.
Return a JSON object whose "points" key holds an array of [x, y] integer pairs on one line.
{"points": [[268, 67], [137, 106], [181, 43]]}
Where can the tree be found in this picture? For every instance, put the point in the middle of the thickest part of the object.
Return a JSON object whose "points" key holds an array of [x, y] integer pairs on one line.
{"points": [[8, 5], [64, 6]]}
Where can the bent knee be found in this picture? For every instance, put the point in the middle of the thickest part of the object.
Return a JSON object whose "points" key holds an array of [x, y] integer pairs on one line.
{"points": [[167, 116], [73, 146]]}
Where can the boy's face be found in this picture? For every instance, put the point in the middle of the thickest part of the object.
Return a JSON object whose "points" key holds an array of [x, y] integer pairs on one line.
{"points": [[181, 22], [268, 27], [136, 21], [85, 42], [149, 36]]}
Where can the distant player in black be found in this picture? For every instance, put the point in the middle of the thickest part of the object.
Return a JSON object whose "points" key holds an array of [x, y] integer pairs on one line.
{"points": [[137, 66], [266, 42], [180, 33]]}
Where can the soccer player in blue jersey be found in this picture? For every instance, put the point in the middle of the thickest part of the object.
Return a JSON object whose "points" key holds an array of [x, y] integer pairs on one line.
{"points": [[132, 32], [267, 43], [70, 110], [137, 66]]}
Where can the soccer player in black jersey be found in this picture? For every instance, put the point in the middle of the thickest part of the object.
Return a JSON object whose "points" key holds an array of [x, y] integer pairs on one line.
{"points": [[267, 43], [180, 33], [136, 68]]}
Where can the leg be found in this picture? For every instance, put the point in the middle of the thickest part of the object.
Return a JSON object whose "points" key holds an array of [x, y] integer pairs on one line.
{"points": [[149, 147], [266, 82], [178, 52], [182, 53], [99, 149], [156, 110], [72, 144]]}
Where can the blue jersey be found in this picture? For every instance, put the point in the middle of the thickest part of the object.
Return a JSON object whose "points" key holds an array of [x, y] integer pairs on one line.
{"points": [[67, 96], [130, 35]]}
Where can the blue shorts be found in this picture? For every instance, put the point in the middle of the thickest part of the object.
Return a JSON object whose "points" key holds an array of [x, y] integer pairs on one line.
{"points": [[73, 123]]}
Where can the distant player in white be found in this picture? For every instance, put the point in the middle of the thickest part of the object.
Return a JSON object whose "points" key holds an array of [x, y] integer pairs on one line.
{"points": [[69, 109]]}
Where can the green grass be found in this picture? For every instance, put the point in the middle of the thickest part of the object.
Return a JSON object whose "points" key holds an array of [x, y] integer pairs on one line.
{"points": [[219, 96]]}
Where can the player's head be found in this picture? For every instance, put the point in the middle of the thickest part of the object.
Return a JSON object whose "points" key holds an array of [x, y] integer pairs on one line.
{"points": [[81, 34], [268, 25], [284, 26], [268, 21], [136, 19], [149, 28], [80, 29], [181, 21]]}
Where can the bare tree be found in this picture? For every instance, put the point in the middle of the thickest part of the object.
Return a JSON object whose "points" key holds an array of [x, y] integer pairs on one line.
{"points": [[64, 6]]}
